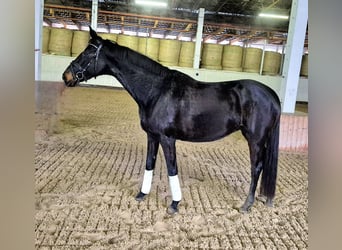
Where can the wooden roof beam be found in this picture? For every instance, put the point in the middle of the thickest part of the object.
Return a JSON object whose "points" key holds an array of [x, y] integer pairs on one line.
{"points": [[188, 27]]}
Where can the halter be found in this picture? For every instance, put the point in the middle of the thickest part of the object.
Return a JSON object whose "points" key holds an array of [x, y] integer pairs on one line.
{"points": [[79, 75]]}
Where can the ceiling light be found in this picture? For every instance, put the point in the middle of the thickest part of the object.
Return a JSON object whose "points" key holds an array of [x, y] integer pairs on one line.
{"points": [[273, 16], [154, 3]]}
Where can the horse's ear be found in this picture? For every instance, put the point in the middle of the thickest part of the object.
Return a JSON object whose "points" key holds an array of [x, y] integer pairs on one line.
{"points": [[93, 33]]}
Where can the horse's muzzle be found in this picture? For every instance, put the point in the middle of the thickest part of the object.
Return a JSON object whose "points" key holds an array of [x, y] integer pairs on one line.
{"points": [[69, 79]]}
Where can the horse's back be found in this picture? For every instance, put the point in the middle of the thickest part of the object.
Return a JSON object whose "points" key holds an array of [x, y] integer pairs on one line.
{"points": [[185, 82], [248, 88], [253, 95], [260, 109], [260, 87]]}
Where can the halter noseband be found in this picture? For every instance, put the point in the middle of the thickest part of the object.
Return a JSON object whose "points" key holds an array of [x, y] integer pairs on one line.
{"points": [[79, 75]]}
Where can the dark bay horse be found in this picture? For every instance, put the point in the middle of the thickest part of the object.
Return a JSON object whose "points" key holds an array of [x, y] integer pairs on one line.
{"points": [[174, 106]]}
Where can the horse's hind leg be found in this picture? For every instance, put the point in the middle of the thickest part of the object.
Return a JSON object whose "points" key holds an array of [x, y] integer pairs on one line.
{"points": [[256, 154], [152, 150]]}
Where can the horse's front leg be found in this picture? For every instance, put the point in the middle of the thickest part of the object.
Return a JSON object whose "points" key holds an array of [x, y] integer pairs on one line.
{"points": [[152, 150], [169, 149]]}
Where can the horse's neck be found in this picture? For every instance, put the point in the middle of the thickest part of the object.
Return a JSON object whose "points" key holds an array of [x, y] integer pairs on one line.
{"points": [[139, 83]]}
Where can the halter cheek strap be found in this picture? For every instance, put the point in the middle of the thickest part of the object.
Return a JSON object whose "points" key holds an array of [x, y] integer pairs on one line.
{"points": [[79, 74], [97, 54]]}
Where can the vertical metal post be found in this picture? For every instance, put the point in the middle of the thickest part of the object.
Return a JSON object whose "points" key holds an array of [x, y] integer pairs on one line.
{"points": [[39, 8], [282, 59], [262, 57], [198, 45], [294, 52], [94, 14]]}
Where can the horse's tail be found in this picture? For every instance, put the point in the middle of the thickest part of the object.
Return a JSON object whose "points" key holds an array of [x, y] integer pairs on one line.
{"points": [[270, 162]]}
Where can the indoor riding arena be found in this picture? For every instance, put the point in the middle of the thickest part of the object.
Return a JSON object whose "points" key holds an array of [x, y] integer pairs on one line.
{"points": [[90, 150]]}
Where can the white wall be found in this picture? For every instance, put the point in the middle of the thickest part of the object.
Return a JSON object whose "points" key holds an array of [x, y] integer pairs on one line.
{"points": [[53, 67]]}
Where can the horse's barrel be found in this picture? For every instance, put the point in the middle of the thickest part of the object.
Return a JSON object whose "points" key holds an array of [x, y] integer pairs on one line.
{"points": [[60, 41]]}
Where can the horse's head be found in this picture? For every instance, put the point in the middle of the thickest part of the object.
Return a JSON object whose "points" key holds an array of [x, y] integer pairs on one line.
{"points": [[87, 64]]}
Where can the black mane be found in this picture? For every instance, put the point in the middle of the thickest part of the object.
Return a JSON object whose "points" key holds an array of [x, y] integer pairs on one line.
{"points": [[131, 57]]}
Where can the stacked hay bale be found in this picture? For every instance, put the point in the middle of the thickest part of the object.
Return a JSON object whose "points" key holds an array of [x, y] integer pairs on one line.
{"points": [[211, 56], [79, 42], [252, 60], [131, 42], [232, 58], [172, 52], [169, 52], [186, 55], [109, 36], [149, 47], [272, 62], [60, 42], [304, 66], [46, 38]]}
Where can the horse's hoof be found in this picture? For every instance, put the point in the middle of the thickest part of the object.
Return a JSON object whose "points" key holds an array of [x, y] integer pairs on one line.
{"points": [[261, 198], [172, 209], [245, 209], [269, 203], [140, 196]]}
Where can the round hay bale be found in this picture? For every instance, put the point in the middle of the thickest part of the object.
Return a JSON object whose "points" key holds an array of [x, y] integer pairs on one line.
{"points": [[169, 52], [304, 66], [215, 67], [149, 47], [232, 57], [79, 42], [271, 63], [131, 42], [186, 55], [212, 56], [142, 45], [168, 63], [252, 60], [109, 36], [60, 41], [46, 38], [238, 69]]}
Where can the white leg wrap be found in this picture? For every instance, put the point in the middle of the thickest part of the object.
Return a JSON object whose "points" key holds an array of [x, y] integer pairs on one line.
{"points": [[147, 182], [175, 188]]}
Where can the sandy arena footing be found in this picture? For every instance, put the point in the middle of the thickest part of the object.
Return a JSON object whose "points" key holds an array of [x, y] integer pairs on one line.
{"points": [[89, 166]]}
